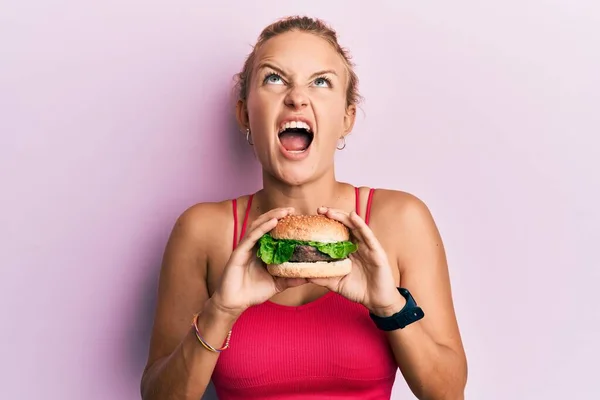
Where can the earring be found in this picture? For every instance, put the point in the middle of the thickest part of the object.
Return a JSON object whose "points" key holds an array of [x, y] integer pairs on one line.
{"points": [[343, 138], [248, 136]]}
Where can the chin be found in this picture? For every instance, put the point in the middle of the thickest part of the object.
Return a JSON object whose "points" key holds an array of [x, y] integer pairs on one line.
{"points": [[295, 175]]}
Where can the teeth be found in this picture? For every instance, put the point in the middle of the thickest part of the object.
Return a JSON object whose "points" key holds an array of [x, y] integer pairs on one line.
{"points": [[294, 124]]}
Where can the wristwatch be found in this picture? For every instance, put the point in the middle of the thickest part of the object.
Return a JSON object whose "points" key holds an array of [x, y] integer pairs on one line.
{"points": [[410, 313]]}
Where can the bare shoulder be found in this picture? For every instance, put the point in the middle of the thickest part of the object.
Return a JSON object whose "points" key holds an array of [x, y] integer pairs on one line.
{"points": [[404, 217], [399, 204], [199, 220], [190, 238], [200, 233]]}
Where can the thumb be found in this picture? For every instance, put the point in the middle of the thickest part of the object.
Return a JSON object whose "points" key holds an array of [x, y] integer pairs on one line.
{"points": [[329, 283], [286, 283]]}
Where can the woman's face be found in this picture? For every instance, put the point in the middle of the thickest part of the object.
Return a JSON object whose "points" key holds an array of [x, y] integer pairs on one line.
{"points": [[296, 106]]}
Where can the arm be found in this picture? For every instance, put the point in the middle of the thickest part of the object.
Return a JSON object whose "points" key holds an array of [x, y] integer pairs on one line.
{"points": [[178, 366], [429, 352]]}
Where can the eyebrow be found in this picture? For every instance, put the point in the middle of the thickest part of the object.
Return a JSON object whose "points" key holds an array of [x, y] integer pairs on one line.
{"points": [[282, 72]]}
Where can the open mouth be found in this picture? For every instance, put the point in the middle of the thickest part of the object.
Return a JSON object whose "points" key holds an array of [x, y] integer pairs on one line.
{"points": [[295, 137]]}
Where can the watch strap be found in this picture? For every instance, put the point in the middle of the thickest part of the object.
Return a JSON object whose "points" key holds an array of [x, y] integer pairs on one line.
{"points": [[410, 313]]}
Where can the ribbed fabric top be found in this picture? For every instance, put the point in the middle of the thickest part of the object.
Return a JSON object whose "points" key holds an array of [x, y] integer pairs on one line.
{"points": [[328, 348]]}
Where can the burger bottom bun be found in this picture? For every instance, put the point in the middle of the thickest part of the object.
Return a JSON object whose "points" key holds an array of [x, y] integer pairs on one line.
{"points": [[319, 269]]}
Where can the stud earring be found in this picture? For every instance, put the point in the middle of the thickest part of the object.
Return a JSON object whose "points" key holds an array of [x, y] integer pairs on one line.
{"points": [[343, 138], [248, 136]]}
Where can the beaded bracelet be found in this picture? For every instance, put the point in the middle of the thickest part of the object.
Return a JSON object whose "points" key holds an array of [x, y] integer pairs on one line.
{"points": [[204, 343]]}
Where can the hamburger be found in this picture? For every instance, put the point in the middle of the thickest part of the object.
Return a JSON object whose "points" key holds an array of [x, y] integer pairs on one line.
{"points": [[307, 246]]}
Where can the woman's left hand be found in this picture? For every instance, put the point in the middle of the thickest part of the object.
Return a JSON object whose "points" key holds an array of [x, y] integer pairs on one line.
{"points": [[370, 282]]}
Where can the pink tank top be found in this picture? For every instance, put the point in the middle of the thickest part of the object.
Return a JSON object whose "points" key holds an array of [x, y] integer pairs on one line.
{"points": [[328, 348]]}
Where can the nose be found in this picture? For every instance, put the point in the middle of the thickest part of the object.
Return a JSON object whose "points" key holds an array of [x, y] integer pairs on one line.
{"points": [[296, 98]]}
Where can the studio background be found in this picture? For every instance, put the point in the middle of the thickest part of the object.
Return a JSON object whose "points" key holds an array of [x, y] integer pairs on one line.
{"points": [[117, 115]]}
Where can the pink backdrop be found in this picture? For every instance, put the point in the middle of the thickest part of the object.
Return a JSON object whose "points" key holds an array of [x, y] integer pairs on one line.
{"points": [[115, 117]]}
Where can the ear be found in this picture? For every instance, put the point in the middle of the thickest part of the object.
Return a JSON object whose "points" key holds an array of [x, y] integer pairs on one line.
{"points": [[349, 119], [241, 113]]}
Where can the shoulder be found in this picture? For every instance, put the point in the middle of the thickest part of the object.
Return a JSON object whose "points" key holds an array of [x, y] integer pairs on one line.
{"points": [[400, 208], [406, 222], [193, 233], [199, 220]]}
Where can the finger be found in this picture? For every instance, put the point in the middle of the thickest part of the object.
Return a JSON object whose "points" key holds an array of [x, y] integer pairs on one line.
{"points": [[250, 239], [344, 218], [285, 283], [274, 213], [367, 235], [339, 215], [329, 283]]}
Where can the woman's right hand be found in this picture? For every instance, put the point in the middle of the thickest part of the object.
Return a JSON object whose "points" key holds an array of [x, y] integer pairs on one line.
{"points": [[245, 281]]}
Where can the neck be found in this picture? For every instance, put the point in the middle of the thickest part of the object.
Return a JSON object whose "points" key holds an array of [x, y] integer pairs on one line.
{"points": [[305, 198]]}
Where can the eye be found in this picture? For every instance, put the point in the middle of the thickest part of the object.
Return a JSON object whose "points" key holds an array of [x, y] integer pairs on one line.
{"points": [[322, 82], [273, 78]]}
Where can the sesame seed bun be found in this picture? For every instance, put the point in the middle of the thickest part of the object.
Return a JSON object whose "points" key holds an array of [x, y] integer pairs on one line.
{"points": [[317, 228]]}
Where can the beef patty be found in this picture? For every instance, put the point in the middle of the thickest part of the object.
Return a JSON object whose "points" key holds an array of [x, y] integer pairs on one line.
{"points": [[303, 253]]}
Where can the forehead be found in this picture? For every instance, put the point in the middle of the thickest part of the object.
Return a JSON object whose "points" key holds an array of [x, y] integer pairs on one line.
{"points": [[300, 53]]}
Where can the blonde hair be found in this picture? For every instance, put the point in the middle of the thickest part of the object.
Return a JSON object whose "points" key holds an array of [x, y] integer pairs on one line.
{"points": [[303, 24]]}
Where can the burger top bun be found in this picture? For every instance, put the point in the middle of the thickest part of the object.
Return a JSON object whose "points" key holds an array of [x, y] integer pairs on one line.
{"points": [[316, 228]]}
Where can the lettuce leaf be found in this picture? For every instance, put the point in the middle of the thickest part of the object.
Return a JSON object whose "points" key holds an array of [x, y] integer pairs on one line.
{"points": [[278, 251]]}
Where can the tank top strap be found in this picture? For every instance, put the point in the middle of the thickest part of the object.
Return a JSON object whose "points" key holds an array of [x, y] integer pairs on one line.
{"points": [[369, 203], [235, 222], [244, 222], [357, 199]]}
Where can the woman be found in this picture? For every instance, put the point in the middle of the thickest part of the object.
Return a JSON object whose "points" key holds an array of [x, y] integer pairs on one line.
{"points": [[222, 316]]}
